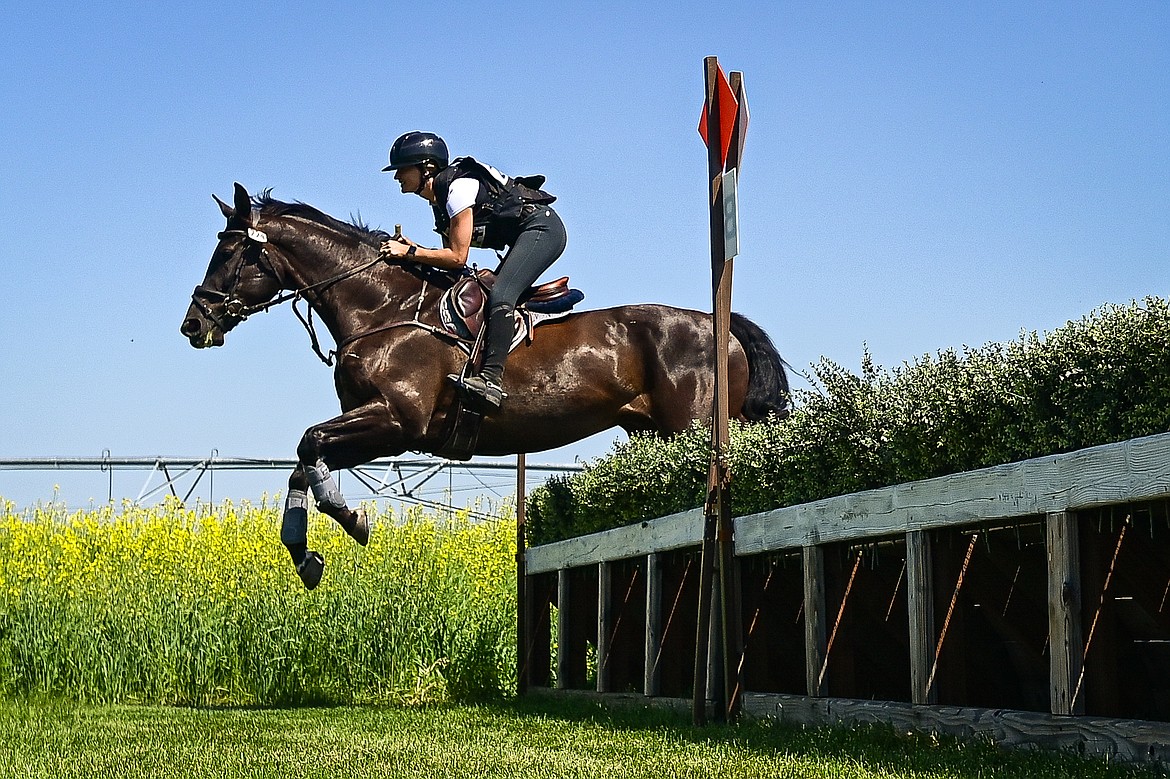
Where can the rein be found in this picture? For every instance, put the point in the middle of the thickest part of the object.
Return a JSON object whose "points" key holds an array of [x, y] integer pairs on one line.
{"points": [[236, 308], [307, 322], [260, 237]]}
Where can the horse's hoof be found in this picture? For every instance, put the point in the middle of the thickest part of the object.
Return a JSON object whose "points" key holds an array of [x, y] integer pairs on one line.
{"points": [[311, 569], [360, 530]]}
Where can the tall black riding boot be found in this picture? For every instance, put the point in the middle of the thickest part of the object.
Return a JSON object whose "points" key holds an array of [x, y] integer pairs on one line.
{"points": [[487, 387]]}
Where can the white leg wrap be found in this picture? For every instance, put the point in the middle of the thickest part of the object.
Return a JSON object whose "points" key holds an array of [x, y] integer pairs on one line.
{"points": [[324, 487], [294, 528]]}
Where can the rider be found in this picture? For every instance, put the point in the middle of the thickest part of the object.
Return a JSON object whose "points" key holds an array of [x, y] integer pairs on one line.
{"points": [[476, 205]]}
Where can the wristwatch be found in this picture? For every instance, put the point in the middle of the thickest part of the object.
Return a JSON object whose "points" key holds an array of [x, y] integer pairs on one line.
{"points": [[411, 251]]}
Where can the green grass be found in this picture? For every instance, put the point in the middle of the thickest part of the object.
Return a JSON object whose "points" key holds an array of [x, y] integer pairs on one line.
{"points": [[99, 609], [528, 738]]}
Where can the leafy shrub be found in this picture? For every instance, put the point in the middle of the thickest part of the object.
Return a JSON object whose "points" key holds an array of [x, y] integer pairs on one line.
{"points": [[1103, 378]]}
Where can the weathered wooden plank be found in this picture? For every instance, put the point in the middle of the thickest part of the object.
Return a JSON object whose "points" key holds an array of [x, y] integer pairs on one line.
{"points": [[633, 700], [1115, 473], [815, 634], [1066, 651], [664, 534], [652, 683], [1114, 739], [920, 603]]}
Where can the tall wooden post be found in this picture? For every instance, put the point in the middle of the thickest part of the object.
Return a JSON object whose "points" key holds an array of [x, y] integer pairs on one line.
{"points": [[723, 153], [729, 578], [524, 628]]}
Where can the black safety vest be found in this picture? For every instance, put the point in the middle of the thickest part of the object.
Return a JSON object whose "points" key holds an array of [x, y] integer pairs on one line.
{"points": [[499, 205]]}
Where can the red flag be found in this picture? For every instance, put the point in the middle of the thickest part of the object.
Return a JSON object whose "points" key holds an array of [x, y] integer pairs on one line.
{"points": [[727, 113]]}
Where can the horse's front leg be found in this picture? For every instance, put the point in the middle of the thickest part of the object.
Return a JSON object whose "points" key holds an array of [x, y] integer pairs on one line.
{"points": [[294, 529], [351, 439]]}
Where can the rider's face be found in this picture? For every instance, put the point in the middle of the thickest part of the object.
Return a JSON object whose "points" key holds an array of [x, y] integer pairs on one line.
{"points": [[409, 178]]}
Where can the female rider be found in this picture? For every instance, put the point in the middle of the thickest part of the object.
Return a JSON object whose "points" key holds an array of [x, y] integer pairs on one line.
{"points": [[476, 205]]}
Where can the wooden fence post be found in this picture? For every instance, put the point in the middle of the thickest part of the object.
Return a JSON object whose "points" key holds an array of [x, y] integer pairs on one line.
{"points": [[920, 605], [652, 681], [815, 637], [1066, 652], [604, 624], [731, 611], [524, 624], [564, 651]]}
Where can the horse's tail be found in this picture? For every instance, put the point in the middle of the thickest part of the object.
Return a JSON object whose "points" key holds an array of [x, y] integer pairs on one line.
{"points": [[767, 381]]}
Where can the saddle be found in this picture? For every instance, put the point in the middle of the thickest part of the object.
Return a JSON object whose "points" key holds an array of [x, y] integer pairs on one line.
{"points": [[463, 308]]}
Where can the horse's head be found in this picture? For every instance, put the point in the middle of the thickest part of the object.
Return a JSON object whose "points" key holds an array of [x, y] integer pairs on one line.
{"points": [[239, 280]]}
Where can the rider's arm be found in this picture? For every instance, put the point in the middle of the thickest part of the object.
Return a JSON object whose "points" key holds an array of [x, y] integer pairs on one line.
{"points": [[452, 256]]}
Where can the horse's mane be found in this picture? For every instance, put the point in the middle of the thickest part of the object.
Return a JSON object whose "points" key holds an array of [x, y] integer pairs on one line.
{"points": [[356, 228]]}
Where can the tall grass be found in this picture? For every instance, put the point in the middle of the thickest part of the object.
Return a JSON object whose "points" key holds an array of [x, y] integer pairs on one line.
{"points": [[202, 606]]}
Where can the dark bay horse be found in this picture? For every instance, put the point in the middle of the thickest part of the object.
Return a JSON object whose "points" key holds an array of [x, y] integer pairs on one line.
{"points": [[640, 367]]}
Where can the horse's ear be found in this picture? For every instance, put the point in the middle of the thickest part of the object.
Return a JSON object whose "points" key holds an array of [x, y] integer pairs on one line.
{"points": [[243, 203], [224, 207]]}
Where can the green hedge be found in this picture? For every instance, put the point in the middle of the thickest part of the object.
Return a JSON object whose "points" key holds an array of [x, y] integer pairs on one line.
{"points": [[1101, 379]]}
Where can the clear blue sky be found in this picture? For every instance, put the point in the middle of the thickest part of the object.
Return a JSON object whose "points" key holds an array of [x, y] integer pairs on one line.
{"points": [[917, 176]]}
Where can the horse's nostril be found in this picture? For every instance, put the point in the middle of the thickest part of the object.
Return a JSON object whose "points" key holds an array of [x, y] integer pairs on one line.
{"points": [[191, 327]]}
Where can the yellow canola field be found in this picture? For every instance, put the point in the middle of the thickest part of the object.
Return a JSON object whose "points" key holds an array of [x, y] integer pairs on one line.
{"points": [[202, 605]]}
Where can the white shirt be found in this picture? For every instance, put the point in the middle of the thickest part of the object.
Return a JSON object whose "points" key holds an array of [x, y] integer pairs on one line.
{"points": [[461, 195]]}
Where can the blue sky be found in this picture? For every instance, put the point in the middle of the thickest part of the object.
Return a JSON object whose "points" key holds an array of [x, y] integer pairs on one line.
{"points": [[917, 176]]}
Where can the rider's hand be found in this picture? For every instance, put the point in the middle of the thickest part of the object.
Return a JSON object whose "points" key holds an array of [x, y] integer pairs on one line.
{"points": [[393, 248]]}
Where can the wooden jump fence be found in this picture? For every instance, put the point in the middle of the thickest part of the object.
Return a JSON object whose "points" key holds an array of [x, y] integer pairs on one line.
{"points": [[1028, 603]]}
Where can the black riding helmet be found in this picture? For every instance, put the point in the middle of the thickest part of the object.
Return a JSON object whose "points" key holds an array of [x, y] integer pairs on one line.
{"points": [[415, 148]]}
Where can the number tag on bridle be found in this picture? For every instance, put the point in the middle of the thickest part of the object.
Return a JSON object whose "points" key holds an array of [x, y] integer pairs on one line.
{"points": [[257, 235]]}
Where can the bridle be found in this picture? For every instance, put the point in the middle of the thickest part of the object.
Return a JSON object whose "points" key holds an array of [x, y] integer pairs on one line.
{"points": [[239, 311], [230, 302]]}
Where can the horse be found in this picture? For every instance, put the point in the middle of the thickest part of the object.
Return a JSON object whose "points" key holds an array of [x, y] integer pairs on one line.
{"points": [[644, 367]]}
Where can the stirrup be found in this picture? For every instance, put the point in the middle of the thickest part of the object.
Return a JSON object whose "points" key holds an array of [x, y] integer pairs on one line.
{"points": [[482, 394]]}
